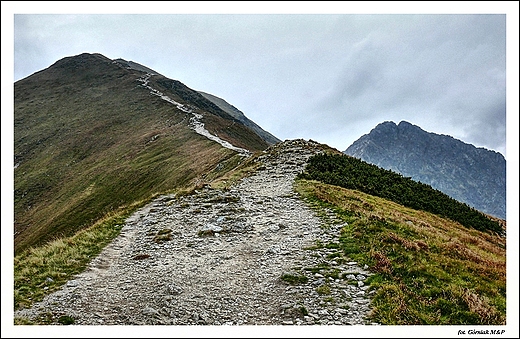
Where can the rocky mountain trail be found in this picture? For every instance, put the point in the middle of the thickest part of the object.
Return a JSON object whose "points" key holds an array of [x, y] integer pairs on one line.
{"points": [[195, 121], [246, 255]]}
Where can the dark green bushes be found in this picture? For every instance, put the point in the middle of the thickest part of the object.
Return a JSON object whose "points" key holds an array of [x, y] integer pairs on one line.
{"points": [[352, 173]]}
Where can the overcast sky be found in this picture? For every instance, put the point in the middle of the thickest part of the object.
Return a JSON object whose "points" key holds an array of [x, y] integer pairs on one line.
{"points": [[326, 77], [329, 77]]}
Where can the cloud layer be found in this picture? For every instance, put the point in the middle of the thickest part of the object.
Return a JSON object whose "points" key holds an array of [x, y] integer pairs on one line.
{"points": [[329, 77]]}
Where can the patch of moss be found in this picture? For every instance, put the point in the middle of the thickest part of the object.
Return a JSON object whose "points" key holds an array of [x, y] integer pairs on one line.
{"points": [[294, 279]]}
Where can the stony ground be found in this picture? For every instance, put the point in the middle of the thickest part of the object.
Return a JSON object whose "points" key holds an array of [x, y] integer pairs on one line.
{"points": [[242, 256]]}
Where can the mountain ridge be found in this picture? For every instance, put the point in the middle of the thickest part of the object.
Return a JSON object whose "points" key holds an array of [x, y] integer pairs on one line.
{"points": [[469, 174], [138, 201], [93, 134], [219, 102], [239, 115]]}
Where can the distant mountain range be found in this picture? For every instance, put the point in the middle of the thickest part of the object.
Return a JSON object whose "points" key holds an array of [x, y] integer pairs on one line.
{"points": [[475, 176]]}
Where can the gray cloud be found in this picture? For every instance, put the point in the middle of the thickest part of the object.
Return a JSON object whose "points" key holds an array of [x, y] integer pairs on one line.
{"points": [[443, 73], [328, 77]]}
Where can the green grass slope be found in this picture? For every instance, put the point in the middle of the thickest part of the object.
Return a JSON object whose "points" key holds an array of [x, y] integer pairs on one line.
{"points": [[349, 172], [429, 270], [436, 261], [89, 140]]}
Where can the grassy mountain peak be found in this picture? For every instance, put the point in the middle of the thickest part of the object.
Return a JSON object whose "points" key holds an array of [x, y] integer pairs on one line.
{"points": [[90, 139]]}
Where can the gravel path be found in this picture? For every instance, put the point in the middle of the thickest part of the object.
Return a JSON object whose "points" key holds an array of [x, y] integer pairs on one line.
{"points": [[221, 257]]}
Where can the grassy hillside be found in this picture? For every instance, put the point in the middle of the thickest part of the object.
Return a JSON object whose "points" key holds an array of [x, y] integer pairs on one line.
{"points": [[41, 270], [90, 140], [429, 270], [349, 172]]}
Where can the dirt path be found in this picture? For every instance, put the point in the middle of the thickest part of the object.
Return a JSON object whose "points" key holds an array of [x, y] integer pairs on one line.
{"points": [[218, 257]]}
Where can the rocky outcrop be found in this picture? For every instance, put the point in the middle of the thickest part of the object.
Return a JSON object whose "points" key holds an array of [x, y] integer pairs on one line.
{"points": [[246, 255], [475, 176]]}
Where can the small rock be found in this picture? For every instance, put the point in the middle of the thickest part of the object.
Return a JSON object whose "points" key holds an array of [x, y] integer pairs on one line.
{"points": [[174, 290], [211, 228], [72, 283], [150, 312]]}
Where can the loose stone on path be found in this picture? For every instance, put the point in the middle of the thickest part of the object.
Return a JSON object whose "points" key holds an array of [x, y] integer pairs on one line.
{"points": [[217, 258]]}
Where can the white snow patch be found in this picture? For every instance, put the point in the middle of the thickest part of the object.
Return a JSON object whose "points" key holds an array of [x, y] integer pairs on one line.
{"points": [[195, 123]]}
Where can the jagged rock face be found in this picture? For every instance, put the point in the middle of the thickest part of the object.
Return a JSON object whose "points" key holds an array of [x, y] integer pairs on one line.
{"points": [[475, 176]]}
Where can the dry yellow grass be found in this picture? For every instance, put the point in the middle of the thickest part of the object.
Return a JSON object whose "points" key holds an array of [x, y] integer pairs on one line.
{"points": [[430, 270]]}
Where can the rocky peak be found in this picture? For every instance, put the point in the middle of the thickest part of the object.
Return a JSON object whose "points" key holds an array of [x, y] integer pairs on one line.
{"points": [[472, 175]]}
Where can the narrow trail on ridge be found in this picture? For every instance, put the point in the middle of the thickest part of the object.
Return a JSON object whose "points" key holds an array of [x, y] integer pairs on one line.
{"points": [[217, 257]]}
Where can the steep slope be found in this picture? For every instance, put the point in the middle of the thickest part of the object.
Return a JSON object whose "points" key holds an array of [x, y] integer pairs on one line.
{"points": [[237, 114], [271, 249], [234, 251], [93, 135], [472, 175]]}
